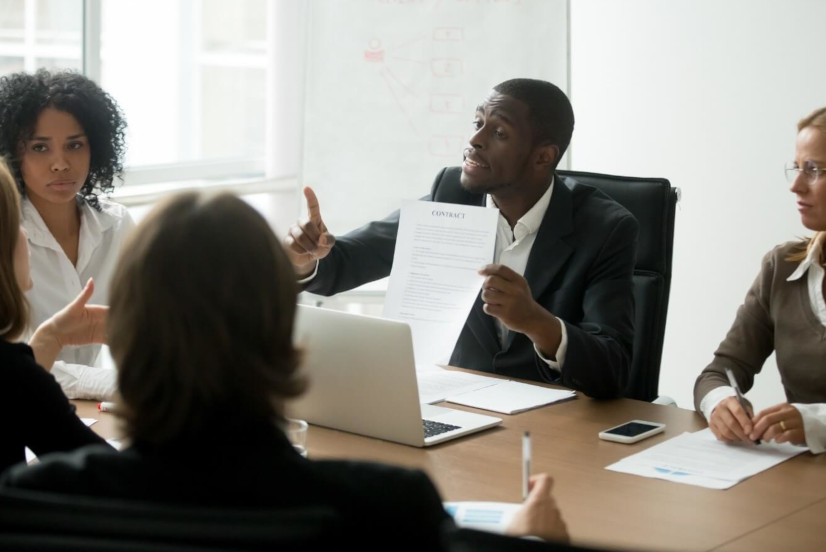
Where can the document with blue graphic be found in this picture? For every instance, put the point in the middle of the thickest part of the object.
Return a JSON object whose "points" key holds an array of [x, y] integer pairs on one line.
{"points": [[700, 459], [485, 516]]}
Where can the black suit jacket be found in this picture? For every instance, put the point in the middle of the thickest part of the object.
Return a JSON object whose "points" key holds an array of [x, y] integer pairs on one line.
{"points": [[244, 464], [49, 424], [580, 268]]}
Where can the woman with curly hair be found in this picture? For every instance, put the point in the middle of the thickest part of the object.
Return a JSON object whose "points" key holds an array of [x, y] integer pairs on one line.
{"points": [[64, 138]]}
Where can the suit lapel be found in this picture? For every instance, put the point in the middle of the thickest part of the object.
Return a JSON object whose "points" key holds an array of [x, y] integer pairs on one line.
{"points": [[483, 328], [547, 257], [549, 252]]}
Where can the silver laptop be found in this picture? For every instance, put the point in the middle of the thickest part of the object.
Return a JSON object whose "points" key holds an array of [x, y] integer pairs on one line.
{"points": [[363, 380]]}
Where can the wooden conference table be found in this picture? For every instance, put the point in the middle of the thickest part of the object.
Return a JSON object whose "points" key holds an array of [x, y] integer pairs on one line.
{"points": [[780, 509]]}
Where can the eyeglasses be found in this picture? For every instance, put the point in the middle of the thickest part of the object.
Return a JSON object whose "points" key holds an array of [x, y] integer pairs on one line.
{"points": [[812, 171]]}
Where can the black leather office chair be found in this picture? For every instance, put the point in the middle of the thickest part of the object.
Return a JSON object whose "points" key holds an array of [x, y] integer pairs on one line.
{"points": [[31, 520], [652, 201], [470, 540]]}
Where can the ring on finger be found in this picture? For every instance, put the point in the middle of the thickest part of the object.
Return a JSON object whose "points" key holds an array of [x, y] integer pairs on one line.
{"points": [[783, 425]]}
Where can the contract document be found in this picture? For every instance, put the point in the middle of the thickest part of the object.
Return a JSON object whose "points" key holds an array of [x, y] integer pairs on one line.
{"points": [[700, 459], [434, 280]]}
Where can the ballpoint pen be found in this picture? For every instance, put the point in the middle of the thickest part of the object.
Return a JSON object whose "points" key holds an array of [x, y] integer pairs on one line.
{"points": [[740, 398], [526, 463]]}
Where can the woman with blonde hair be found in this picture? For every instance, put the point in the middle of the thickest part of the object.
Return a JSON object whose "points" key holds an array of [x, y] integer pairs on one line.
{"points": [[785, 313], [49, 424], [201, 327]]}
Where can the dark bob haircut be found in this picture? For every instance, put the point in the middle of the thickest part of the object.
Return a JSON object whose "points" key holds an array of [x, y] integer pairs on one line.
{"points": [[551, 114], [200, 324], [24, 96]]}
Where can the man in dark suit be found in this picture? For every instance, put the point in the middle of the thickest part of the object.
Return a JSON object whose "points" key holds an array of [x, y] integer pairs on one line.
{"points": [[557, 303]]}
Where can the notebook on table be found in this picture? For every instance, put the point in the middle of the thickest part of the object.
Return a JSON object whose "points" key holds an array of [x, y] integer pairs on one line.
{"points": [[363, 380]]}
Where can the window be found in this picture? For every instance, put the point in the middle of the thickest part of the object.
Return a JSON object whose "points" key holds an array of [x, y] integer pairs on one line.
{"points": [[190, 75], [41, 33]]}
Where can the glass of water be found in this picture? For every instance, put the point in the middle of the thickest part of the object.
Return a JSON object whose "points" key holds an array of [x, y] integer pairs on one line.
{"points": [[297, 434]]}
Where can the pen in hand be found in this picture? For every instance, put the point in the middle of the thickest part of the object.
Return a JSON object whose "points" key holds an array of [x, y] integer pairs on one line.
{"points": [[526, 463], [740, 398]]}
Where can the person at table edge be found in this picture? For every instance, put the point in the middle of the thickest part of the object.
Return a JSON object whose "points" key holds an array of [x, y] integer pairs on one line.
{"points": [[784, 312]]}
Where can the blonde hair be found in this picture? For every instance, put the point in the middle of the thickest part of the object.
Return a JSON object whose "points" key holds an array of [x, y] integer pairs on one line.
{"points": [[14, 309], [816, 119], [201, 318]]}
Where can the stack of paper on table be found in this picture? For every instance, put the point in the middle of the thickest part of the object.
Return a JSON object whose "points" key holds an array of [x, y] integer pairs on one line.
{"points": [[499, 395], [700, 459], [437, 384], [511, 397]]}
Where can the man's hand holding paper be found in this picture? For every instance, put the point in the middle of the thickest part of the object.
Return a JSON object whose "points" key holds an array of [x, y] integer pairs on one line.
{"points": [[507, 296]]}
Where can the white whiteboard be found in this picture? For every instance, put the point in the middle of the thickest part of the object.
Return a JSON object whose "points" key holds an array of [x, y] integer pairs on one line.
{"points": [[392, 86]]}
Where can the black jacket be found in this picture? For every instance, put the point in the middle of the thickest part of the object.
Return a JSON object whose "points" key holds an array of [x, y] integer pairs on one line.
{"points": [[34, 412], [580, 268]]}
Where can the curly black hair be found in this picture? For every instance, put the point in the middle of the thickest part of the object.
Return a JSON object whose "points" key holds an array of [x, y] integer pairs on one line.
{"points": [[24, 96]]}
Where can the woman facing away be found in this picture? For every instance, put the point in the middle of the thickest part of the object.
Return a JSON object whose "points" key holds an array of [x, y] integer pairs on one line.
{"points": [[50, 423], [201, 327], [784, 312], [64, 138]]}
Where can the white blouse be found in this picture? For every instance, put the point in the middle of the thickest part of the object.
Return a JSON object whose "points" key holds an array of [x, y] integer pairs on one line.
{"points": [[57, 282]]}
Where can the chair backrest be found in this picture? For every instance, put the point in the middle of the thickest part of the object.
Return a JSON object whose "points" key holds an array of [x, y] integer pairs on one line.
{"points": [[33, 520], [652, 201], [471, 540]]}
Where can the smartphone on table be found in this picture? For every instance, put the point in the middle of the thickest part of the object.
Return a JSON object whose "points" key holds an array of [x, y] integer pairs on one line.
{"points": [[631, 432]]}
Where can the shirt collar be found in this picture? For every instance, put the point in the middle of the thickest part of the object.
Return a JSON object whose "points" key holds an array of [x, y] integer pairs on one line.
{"points": [[93, 223], [529, 222], [812, 258], [33, 223]]}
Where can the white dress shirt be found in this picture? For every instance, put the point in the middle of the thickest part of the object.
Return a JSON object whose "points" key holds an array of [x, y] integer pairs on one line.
{"points": [[513, 247], [57, 282], [814, 415]]}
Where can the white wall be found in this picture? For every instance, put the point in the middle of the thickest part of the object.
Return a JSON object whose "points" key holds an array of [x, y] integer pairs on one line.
{"points": [[285, 81], [703, 92], [706, 93]]}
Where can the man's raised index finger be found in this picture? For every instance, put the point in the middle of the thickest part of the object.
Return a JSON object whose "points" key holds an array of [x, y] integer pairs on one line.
{"points": [[313, 209]]}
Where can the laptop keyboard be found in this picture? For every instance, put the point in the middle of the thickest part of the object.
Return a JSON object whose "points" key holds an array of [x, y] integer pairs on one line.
{"points": [[432, 428]]}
